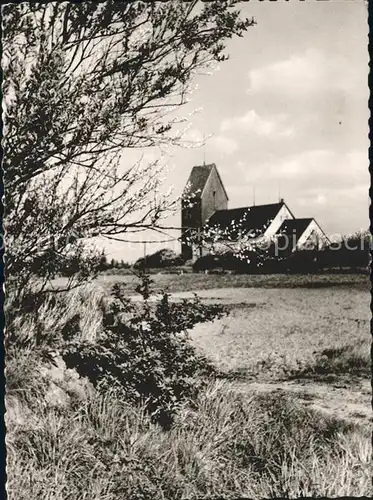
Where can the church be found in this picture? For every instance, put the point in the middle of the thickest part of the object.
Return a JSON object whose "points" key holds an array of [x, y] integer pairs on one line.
{"points": [[205, 204]]}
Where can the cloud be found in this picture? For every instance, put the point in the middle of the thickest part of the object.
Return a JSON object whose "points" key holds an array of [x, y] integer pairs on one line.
{"points": [[309, 72], [222, 144], [219, 144], [330, 185], [193, 136], [322, 170], [253, 122]]}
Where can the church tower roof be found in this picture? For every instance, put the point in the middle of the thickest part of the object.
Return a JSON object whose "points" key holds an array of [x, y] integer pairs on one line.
{"points": [[199, 177]]}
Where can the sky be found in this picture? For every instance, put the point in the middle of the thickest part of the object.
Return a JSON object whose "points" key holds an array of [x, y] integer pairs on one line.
{"points": [[286, 116]]}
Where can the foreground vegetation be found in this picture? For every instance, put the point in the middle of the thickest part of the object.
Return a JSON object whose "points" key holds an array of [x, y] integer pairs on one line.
{"points": [[69, 436], [102, 448]]}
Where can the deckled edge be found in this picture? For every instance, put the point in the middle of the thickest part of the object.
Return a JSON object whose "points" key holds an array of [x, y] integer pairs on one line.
{"points": [[2, 280]]}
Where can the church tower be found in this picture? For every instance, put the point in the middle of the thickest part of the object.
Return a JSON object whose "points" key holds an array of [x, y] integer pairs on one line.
{"points": [[203, 195]]}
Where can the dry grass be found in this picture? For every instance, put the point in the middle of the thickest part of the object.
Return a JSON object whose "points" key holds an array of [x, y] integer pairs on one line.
{"points": [[347, 360], [229, 445]]}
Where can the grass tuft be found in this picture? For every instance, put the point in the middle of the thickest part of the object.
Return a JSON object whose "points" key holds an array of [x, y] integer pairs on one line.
{"points": [[347, 360]]}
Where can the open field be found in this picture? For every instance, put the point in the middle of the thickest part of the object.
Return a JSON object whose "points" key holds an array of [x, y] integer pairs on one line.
{"points": [[283, 326], [200, 281], [305, 335], [312, 343]]}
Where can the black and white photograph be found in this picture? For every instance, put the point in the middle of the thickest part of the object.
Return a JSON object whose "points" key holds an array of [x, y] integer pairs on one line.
{"points": [[186, 247]]}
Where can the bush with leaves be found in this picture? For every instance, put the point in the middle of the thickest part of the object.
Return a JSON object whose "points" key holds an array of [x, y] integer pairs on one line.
{"points": [[160, 259], [144, 350]]}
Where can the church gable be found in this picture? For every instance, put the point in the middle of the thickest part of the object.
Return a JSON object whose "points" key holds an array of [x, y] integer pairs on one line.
{"points": [[289, 233], [214, 196], [300, 234], [282, 214], [312, 237]]}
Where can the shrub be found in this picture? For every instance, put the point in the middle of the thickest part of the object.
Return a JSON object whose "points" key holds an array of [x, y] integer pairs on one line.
{"points": [[254, 262], [144, 350], [303, 261], [162, 258], [207, 263]]}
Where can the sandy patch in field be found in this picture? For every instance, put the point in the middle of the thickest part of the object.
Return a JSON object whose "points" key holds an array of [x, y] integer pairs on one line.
{"points": [[272, 332], [351, 403], [286, 325]]}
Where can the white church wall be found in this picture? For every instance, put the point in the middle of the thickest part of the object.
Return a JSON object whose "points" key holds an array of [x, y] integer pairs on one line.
{"points": [[283, 214], [312, 229]]}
